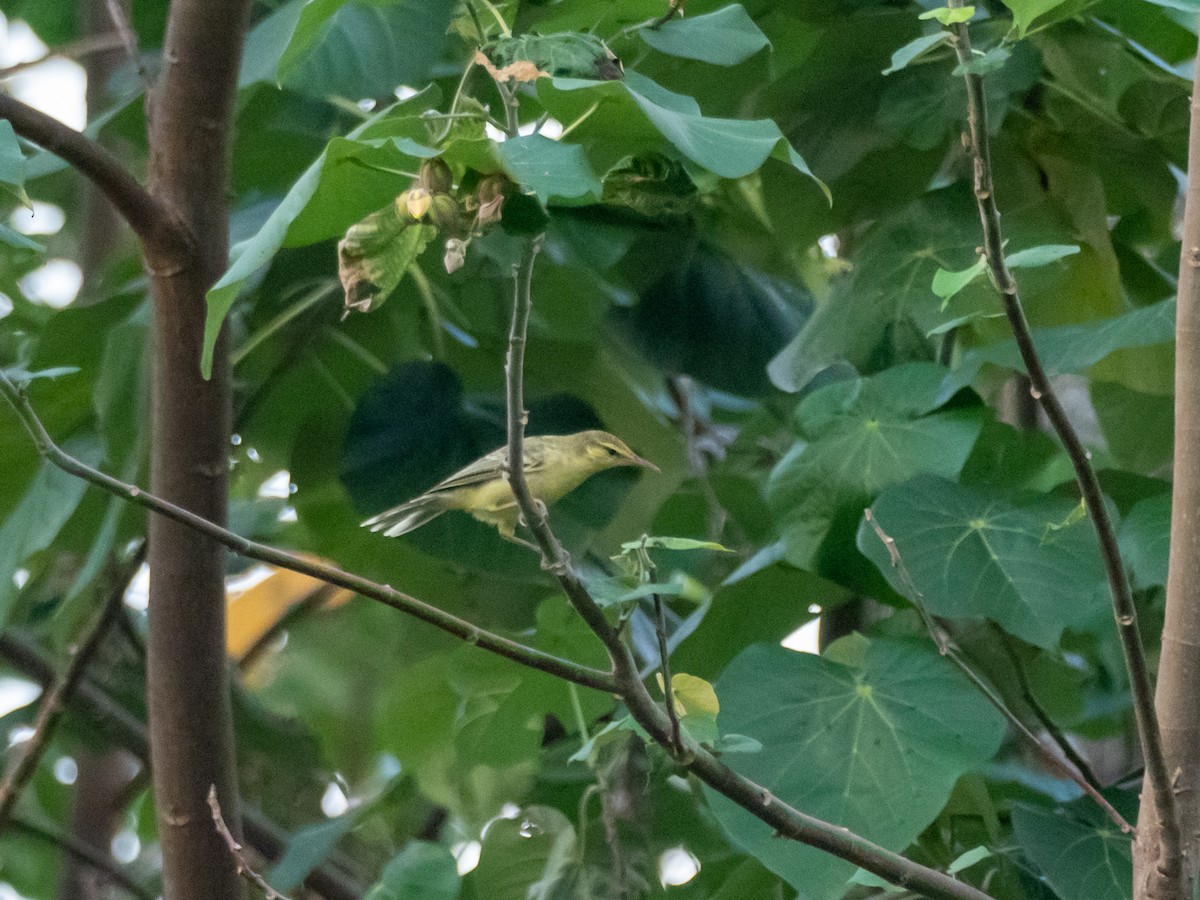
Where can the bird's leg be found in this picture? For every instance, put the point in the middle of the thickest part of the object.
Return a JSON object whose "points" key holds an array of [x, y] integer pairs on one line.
{"points": [[508, 532], [542, 512]]}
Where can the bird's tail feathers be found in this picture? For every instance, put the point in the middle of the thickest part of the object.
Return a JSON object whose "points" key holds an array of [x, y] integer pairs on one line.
{"points": [[406, 517]]}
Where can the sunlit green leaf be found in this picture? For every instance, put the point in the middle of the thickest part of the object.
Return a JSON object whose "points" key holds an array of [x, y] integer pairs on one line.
{"points": [[1040, 256], [947, 284], [949, 15], [725, 37], [1025, 11]]}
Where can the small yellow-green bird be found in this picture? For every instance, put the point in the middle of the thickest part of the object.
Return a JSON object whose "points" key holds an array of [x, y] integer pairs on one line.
{"points": [[554, 466]]}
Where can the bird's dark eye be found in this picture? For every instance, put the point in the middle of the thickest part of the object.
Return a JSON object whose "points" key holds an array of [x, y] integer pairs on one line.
{"points": [[612, 452]]}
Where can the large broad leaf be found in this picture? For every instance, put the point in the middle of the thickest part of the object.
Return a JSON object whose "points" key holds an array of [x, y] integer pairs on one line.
{"points": [[974, 553], [47, 505], [352, 178], [423, 871], [552, 169], [1072, 348], [1082, 854], [1145, 540], [882, 311], [875, 747], [857, 437], [725, 37], [633, 112], [348, 48], [527, 858], [707, 315]]}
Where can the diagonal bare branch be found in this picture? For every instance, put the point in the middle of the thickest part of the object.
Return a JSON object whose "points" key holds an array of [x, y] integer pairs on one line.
{"points": [[148, 217], [473, 634]]}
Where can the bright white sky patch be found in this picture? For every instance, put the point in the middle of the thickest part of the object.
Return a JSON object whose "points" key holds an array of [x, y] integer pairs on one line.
{"points": [[55, 284], [677, 866], [57, 87], [334, 802], [804, 639], [15, 693], [44, 218]]}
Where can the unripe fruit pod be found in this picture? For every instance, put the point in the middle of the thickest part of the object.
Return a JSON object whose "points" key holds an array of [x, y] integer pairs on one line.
{"points": [[445, 213], [435, 177]]}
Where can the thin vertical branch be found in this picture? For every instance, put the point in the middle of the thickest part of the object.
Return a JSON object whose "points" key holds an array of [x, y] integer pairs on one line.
{"points": [[1124, 612], [756, 799]]}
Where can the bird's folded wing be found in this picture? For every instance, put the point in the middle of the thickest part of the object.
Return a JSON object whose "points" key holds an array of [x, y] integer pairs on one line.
{"points": [[486, 468]]}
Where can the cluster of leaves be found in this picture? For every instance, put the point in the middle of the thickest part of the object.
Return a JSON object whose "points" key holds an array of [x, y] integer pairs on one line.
{"points": [[683, 302]]}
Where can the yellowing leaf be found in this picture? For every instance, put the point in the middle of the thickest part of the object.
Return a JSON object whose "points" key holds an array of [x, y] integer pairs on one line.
{"points": [[694, 696], [254, 612]]}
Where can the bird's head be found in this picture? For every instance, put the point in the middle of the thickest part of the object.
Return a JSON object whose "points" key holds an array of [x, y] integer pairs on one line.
{"points": [[607, 451]]}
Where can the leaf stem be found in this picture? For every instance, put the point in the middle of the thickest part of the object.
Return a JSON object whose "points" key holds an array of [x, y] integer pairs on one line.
{"points": [[1124, 611]]}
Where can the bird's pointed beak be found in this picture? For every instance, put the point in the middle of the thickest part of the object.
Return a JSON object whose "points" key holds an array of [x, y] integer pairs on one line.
{"points": [[644, 463]]}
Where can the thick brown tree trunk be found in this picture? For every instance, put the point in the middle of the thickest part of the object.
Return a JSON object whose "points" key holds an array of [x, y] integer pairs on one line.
{"points": [[190, 732], [1179, 667]]}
